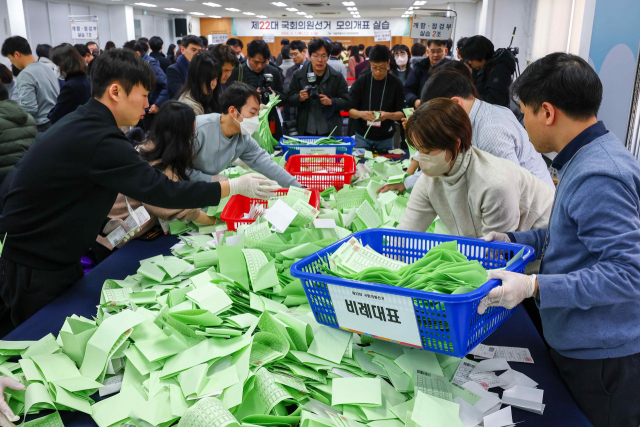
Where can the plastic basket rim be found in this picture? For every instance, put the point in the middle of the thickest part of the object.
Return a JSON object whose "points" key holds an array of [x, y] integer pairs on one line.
{"points": [[348, 142], [224, 215], [344, 173], [297, 272]]}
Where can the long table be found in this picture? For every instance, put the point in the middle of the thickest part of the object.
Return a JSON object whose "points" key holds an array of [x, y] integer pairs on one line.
{"points": [[517, 331]]}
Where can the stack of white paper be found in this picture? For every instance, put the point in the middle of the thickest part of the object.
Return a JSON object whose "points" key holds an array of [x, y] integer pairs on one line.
{"points": [[488, 403], [513, 378], [527, 398], [501, 418]]}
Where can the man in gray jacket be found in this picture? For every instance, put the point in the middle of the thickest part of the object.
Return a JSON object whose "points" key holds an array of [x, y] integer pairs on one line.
{"points": [[223, 138], [37, 84]]}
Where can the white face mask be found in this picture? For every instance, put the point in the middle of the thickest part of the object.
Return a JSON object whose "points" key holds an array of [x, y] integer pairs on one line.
{"points": [[435, 165], [248, 126], [402, 60]]}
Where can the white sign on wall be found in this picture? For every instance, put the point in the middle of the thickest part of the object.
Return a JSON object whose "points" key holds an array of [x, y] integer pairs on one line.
{"points": [[269, 39], [319, 27], [382, 36], [218, 38], [84, 30], [432, 27]]}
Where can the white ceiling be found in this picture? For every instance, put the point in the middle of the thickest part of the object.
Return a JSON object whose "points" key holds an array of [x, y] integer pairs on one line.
{"points": [[334, 9]]}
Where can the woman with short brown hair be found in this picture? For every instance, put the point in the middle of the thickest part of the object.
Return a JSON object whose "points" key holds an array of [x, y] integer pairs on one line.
{"points": [[471, 190], [76, 90]]}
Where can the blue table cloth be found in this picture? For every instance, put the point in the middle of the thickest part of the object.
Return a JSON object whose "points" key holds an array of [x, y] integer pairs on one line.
{"points": [[517, 331]]}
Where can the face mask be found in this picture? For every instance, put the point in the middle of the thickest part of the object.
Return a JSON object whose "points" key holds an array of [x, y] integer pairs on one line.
{"points": [[434, 165], [248, 126], [402, 60]]}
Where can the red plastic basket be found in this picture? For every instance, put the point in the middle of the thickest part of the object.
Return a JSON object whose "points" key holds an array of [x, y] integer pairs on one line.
{"points": [[323, 171], [239, 205]]}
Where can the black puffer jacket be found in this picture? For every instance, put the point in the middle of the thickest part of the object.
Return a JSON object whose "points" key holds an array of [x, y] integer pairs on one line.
{"points": [[493, 80], [17, 133]]}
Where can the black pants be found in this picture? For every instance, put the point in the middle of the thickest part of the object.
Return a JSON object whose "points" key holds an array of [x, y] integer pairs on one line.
{"points": [[25, 290], [607, 390]]}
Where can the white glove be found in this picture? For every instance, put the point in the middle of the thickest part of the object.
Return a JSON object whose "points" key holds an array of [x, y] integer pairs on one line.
{"points": [[515, 288], [253, 185], [497, 237], [4, 407]]}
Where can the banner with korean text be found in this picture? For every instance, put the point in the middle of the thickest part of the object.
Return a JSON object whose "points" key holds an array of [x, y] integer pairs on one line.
{"points": [[319, 27]]}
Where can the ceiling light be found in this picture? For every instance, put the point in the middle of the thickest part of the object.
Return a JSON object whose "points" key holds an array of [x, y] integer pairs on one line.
{"points": [[231, 9], [292, 9], [211, 4], [172, 9], [301, 13], [249, 13], [419, 3], [146, 4], [214, 16], [197, 13], [348, 3], [356, 16], [309, 17], [278, 4], [261, 16], [352, 8], [405, 16]]}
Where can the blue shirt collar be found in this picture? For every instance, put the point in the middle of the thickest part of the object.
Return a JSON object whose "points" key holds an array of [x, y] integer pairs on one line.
{"points": [[585, 137]]}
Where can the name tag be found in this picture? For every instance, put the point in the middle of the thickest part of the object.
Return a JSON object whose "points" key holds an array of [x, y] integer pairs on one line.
{"points": [[374, 124]]}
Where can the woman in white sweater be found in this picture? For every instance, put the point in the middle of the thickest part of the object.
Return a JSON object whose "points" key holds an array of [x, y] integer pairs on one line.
{"points": [[472, 191]]}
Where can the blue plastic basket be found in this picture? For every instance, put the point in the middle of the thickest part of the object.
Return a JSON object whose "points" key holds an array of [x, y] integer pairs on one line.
{"points": [[291, 149], [447, 324]]}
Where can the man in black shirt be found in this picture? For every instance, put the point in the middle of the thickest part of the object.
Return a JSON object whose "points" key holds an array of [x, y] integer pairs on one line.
{"points": [[378, 91], [61, 192]]}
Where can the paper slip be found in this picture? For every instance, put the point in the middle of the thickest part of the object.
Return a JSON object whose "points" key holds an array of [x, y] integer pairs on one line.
{"points": [[257, 231], [487, 400], [343, 374], [514, 354], [434, 385], [280, 216], [299, 194], [462, 373], [306, 212], [116, 236], [483, 351], [486, 379], [207, 412], [513, 378], [324, 223], [368, 215], [111, 385], [491, 365], [500, 418], [358, 258], [233, 240], [527, 398], [469, 414]]}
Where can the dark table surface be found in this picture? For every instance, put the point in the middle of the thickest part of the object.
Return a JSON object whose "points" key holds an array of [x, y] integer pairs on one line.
{"points": [[517, 331]]}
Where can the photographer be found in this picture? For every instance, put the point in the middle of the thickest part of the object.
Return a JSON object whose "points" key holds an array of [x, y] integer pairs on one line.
{"points": [[492, 70], [265, 78], [378, 91], [320, 101]]}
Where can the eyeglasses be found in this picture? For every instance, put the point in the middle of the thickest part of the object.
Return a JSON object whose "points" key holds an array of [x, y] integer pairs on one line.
{"points": [[379, 68], [436, 52], [315, 56]]}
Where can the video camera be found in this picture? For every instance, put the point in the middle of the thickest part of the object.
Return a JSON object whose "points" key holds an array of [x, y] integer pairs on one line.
{"points": [[311, 88], [514, 50], [265, 90]]}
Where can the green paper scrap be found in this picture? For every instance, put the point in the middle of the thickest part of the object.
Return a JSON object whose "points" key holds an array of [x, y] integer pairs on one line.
{"points": [[356, 391], [430, 411], [377, 114], [51, 420], [232, 265], [207, 412], [330, 343]]}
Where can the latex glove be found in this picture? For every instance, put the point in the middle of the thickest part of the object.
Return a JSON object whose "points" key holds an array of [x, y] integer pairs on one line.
{"points": [[4, 407], [515, 288], [253, 185], [494, 236]]}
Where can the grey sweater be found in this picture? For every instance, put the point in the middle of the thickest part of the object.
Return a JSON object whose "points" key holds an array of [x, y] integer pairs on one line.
{"points": [[215, 152], [481, 193], [38, 90]]}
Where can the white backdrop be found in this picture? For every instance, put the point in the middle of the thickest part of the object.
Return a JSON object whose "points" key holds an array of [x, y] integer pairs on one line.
{"points": [[318, 27]]}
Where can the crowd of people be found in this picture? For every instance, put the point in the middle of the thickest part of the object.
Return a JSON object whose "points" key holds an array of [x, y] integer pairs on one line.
{"points": [[191, 112]]}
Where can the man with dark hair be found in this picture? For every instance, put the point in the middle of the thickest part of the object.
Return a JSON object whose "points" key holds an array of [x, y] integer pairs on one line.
{"points": [[298, 52], [84, 52], [587, 290], [318, 114], [361, 49], [493, 71], [156, 43], [495, 129], [72, 175], [418, 51], [287, 62], [237, 46], [158, 96], [227, 57], [279, 59], [223, 138], [381, 92], [364, 65], [437, 50], [334, 60], [43, 51], [38, 86], [255, 71], [93, 47], [177, 73]]}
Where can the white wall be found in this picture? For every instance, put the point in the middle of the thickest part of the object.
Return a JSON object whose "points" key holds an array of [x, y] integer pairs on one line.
{"points": [[121, 24], [153, 25], [466, 21]]}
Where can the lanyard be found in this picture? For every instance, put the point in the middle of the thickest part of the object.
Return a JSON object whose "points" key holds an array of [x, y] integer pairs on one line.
{"points": [[383, 89], [553, 206]]}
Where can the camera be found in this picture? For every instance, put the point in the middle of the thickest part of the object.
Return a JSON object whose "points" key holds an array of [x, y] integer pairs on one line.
{"points": [[312, 88], [265, 90], [292, 127]]}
